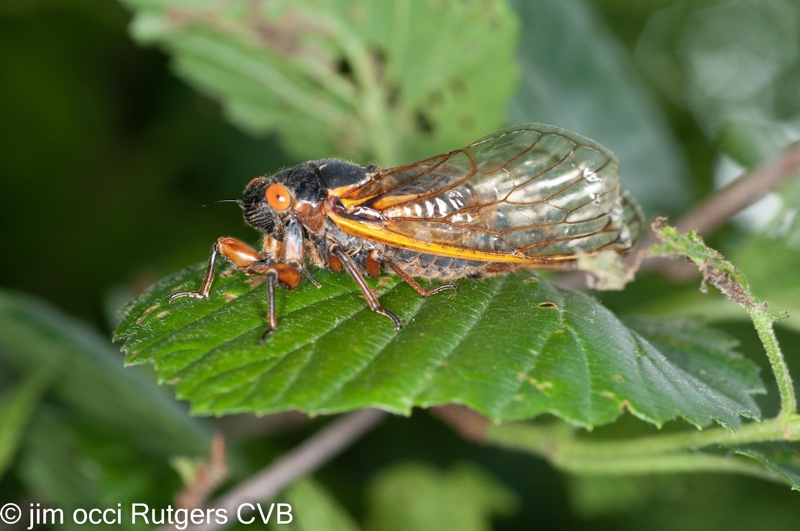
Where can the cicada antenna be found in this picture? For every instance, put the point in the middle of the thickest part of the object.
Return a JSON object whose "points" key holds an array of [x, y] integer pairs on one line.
{"points": [[225, 201]]}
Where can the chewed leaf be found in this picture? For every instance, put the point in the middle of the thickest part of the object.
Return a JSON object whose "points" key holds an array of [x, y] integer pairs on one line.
{"points": [[509, 347], [344, 77], [715, 269]]}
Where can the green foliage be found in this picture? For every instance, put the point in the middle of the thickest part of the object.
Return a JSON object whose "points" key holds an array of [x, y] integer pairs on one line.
{"points": [[331, 353], [575, 75], [16, 408], [418, 496], [407, 495], [319, 509], [393, 81], [695, 56], [561, 353], [117, 421], [678, 451], [723, 275]]}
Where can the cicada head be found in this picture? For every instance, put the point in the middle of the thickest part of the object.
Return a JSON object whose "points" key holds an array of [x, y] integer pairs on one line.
{"points": [[268, 202]]}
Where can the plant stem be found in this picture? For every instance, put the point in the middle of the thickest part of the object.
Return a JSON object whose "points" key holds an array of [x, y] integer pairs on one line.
{"points": [[666, 464], [763, 320], [657, 453]]}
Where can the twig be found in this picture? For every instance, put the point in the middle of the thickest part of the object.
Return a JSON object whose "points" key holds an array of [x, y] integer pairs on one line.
{"points": [[710, 214], [245, 426], [469, 424], [301, 460], [208, 476]]}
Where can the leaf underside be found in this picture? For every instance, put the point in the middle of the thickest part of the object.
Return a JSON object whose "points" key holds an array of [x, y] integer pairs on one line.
{"points": [[780, 457], [510, 347]]}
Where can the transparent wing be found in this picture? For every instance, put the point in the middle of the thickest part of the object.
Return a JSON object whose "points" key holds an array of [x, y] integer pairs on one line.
{"points": [[536, 192]]}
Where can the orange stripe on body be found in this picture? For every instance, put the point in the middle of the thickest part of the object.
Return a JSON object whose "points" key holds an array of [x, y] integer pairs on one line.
{"points": [[379, 234]]}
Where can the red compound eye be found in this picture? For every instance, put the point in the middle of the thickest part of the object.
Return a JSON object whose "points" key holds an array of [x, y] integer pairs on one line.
{"points": [[278, 196]]}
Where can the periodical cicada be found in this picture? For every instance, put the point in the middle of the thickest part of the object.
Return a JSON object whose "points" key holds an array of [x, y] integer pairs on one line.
{"points": [[525, 197]]}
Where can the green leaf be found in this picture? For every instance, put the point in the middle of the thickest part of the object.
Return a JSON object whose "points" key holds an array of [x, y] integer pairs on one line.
{"points": [[58, 473], [721, 379], [313, 509], [774, 280], [576, 74], [105, 434], [420, 497], [87, 467], [734, 66], [509, 347], [727, 278], [96, 389], [597, 496], [16, 407], [394, 79], [780, 457]]}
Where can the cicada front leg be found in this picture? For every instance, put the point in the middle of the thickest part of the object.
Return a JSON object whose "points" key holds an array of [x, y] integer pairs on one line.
{"points": [[235, 251], [250, 262]]}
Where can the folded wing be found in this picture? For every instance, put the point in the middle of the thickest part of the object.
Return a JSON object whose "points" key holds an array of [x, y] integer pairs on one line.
{"points": [[531, 194]]}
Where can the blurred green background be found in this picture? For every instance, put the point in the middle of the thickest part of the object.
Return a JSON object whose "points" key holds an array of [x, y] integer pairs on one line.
{"points": [[108, 158]]}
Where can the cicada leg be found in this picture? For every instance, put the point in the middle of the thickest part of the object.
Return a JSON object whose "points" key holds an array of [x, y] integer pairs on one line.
{"points": [[424, 293], [288, 277], [337, 252], [237, 252], [251, 262]]}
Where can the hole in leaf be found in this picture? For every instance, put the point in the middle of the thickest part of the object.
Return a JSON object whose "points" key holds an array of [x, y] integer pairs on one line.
{"points": [[345, 69], [423, 123]]}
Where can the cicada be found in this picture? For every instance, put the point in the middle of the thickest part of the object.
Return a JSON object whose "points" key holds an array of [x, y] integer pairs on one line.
{"points": [[526, 197]]}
